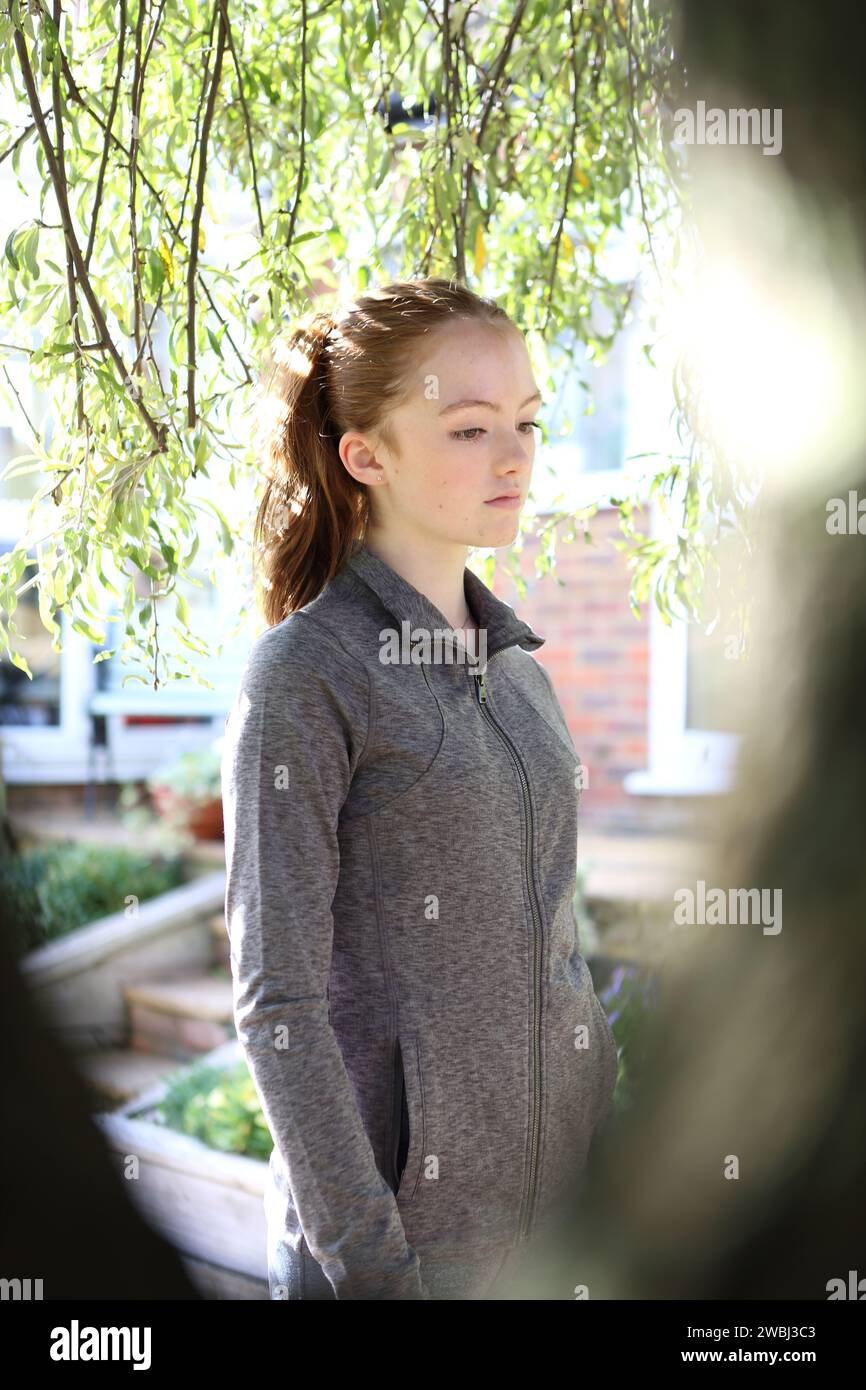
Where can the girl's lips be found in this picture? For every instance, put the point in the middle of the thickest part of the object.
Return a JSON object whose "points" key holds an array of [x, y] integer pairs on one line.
{"points": [[511, 502]]}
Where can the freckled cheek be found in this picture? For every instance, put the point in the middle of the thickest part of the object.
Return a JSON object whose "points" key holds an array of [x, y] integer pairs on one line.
{"points": [[453, 486], [458, 482]]}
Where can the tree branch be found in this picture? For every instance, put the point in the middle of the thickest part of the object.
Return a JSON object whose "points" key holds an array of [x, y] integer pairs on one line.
{"points": [[196, 215], [58, 179], [303, 124]]}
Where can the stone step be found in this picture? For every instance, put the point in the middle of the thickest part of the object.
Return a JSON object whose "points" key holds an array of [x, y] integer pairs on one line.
{"points": [[114, 1075], [181, 1017]]}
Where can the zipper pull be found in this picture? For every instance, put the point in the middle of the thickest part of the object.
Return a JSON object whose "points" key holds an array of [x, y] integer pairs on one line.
{"points": [[481, 688]]}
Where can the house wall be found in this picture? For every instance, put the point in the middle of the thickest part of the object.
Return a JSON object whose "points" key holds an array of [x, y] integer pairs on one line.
{"points": [[598, 656]]}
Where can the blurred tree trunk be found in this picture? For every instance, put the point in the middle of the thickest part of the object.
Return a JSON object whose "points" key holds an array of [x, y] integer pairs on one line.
{"points": [[789, 57]]}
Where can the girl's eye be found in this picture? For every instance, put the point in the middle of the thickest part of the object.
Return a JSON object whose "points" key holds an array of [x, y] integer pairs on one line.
{"points": [[475, 430]]}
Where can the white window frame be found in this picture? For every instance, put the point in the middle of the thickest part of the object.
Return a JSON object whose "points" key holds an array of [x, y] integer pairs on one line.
{"points": [[41, 753], [682, 761]]}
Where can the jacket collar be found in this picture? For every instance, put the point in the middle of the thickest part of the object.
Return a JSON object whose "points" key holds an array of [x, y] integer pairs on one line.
{"points": [[406, 603]]}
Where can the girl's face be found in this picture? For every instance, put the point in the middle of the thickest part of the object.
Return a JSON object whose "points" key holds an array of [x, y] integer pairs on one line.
{"points": [[464, 436]]}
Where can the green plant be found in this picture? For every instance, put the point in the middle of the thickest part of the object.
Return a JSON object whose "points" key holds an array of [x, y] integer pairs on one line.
{"points": [[56, 888], [218, 1106], [629, 1002], [20, 875], [194, 776], [587, 927]]}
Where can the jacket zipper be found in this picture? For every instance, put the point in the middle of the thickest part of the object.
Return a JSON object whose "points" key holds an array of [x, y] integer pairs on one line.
{"points": [[529, 1205]]}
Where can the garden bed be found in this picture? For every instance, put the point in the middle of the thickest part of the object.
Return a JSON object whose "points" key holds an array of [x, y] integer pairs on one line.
{"points": [[209, 1204], [77, 979]]}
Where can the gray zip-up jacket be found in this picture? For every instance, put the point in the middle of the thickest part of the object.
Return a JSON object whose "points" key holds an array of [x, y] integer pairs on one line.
{"points": [[401, 845]]}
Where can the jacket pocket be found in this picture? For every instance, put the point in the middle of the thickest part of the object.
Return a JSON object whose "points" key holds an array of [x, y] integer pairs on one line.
{"points": [[407, 1119]]}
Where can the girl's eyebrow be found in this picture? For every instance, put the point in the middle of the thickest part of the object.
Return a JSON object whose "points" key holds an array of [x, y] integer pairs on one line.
{"points": [[460, 405]]}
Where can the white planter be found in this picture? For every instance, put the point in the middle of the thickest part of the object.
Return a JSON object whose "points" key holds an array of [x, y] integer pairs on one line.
{"points": [[208, 1205]]}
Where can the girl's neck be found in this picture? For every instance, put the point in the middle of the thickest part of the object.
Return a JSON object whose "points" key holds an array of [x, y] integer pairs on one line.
{"points": [[437, 574]]}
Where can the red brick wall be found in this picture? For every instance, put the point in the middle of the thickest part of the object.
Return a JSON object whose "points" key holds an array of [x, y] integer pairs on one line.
{"points": [[597, 654]]}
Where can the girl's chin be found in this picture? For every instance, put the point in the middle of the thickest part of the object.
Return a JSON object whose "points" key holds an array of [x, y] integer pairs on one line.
{"points": [[502, 530]]}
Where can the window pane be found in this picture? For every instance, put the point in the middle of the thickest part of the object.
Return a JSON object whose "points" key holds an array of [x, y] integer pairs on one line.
{"points": [[709, 675], [25, 701], [599, 438]]}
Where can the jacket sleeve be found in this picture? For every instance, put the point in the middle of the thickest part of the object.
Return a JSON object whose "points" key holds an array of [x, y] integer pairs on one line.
{"points": [[292, 741]]}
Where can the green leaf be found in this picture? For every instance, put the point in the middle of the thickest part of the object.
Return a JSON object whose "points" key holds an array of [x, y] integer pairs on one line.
{"points": [[48, 621], [10, 248], [21, 663], [86, 630], [28, 249], [201, 449], [189, 641]]}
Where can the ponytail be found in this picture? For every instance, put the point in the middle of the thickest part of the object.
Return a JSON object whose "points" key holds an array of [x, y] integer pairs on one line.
{"points": [[312, 507]]}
